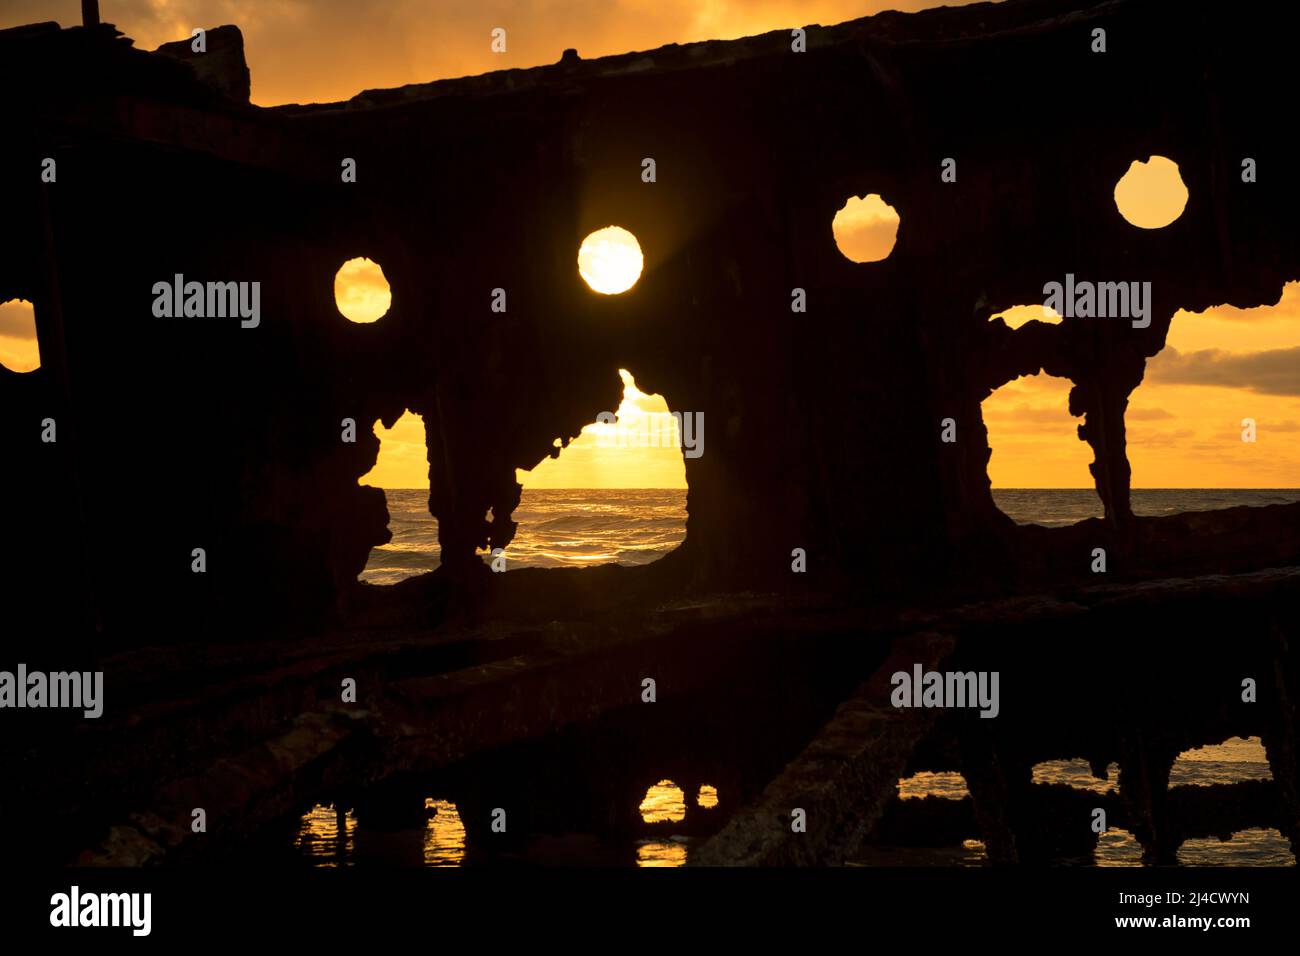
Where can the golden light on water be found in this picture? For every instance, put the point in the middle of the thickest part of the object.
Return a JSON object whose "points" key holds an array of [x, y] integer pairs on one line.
{"points": [[444, 837], [661, 853], [361, 292], [19, 351], [925, 783], [1151, 195], [610, 260], [663, 801], [666, 802], [320, 838]]}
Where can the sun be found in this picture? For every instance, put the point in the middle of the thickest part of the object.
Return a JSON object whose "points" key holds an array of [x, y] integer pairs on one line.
{"points": [[610, 260]]}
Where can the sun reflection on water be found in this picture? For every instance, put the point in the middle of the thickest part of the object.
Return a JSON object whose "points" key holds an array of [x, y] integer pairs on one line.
{"points": [[1236, 759], [661, 852], [442, 840], [664, 801], [319, 838], [444, 835]]}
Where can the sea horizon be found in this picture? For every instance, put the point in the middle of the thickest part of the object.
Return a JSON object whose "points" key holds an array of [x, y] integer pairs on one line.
{"points": [[581, 527]]}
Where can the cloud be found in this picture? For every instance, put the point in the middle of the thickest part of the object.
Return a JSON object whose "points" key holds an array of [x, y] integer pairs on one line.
{"points": [[867, 242], [1147, 414], [17, 320], [322, 50], [1286, 307], [19, 355], [1270, 372]]}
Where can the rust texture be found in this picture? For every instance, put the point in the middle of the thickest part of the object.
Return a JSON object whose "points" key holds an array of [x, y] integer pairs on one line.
{"points": [[823, 428]]}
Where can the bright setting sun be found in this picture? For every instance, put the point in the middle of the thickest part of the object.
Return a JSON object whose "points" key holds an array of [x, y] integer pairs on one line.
{"points": [[610, 260]]}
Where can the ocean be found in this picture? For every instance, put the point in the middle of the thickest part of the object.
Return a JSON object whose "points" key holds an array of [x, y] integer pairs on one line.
{"points": [[568, 528], [578, 527], [582, 527], [1052, 507], [321, 841]]}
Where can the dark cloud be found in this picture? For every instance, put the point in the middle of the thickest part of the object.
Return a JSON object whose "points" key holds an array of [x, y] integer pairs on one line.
{"points": [[1272, 372]]}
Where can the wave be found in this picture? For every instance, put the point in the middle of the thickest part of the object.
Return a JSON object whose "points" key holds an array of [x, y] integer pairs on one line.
{"points": [[579, 527], [1055, 507], [570, 527]]}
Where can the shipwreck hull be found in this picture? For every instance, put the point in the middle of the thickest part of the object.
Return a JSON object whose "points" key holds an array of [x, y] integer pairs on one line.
{"points": [[824, 426]]}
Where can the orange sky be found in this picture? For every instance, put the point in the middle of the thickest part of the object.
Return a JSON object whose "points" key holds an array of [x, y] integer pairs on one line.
{"points": [[1184, 422], [302, 51], [634, 452], [18, 349]]}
